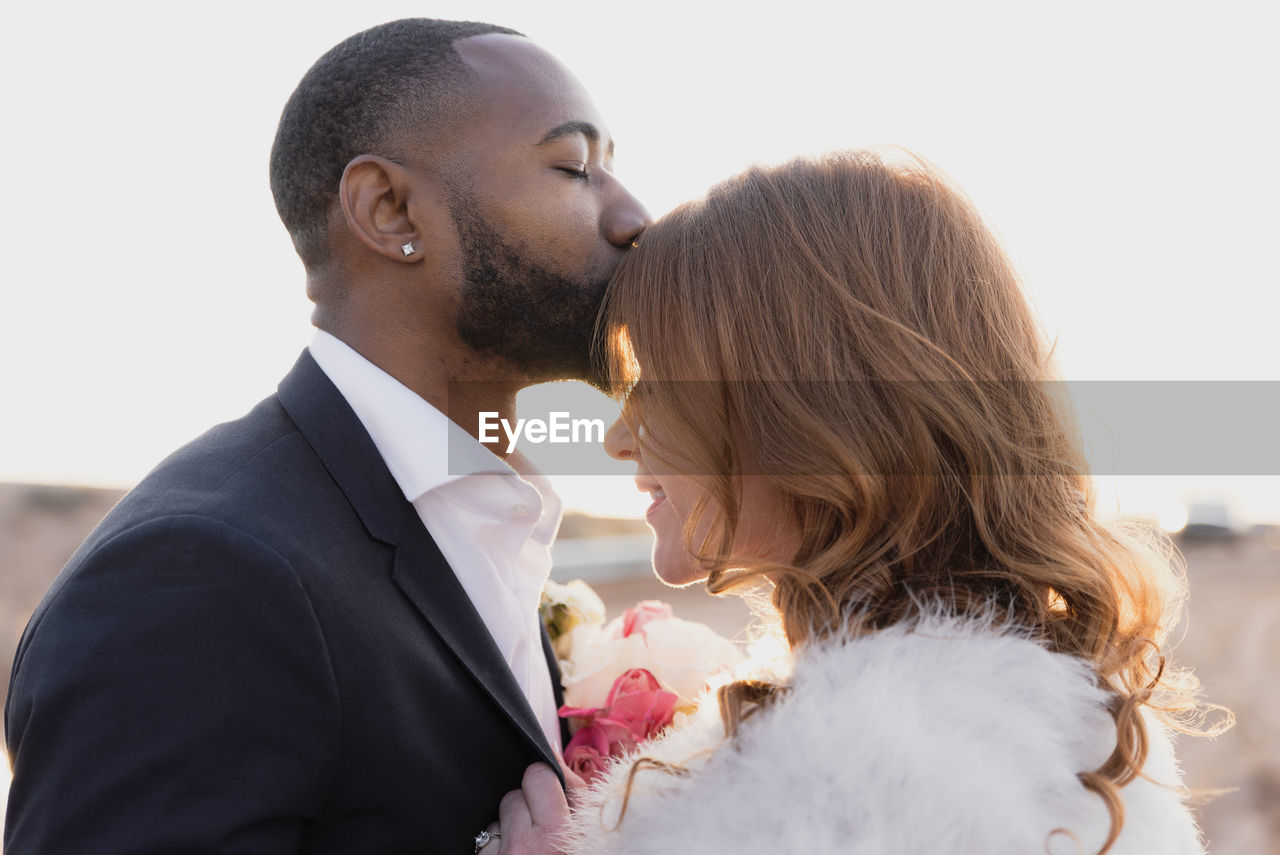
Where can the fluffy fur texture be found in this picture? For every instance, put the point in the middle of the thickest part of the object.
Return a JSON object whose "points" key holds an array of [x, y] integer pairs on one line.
{"points": [[953, 736]]}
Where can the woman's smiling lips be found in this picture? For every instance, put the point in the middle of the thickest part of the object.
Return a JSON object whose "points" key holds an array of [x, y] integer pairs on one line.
{"points": [[648, 484], [658, 498]]}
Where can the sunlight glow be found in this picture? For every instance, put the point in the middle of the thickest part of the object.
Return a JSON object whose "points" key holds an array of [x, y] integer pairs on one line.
{"points": [[1173, 519], [6, 778]]}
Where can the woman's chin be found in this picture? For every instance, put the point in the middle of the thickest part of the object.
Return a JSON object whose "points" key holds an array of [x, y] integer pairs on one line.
{"points": [[678, 570], [679, 580]]}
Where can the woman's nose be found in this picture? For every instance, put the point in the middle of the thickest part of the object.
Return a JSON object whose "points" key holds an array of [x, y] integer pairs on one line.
{"points": [[618, 442]]}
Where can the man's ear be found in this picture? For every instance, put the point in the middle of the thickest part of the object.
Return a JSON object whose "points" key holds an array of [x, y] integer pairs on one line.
{"points": [[374, 193]]}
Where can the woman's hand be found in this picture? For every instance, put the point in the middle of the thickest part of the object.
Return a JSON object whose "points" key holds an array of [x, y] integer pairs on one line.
{"points": [[573, 782], [532, 819]]}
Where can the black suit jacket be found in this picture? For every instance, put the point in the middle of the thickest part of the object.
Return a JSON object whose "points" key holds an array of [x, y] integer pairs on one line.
{"points": [[261, 650]]}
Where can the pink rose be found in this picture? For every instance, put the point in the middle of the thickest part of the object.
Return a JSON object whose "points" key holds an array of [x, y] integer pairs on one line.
{"points": [[609, 738], [644, 714], [584, 758], [589, 750], [634, 618], [586, 763], [621, 738], [592, 737], [579, 717], [638, 708], [632, 680]]}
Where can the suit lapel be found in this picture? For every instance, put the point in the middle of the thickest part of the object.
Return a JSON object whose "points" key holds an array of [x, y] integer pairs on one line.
{"points": [[553, 665], [426, 579], [344, 447], [420, 570]]}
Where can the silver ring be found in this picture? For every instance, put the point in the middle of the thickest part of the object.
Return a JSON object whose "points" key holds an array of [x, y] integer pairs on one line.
{"points": [[484, 838]]}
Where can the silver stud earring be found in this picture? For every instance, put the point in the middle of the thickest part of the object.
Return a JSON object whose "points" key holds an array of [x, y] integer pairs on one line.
{"points": [[407, 248]]}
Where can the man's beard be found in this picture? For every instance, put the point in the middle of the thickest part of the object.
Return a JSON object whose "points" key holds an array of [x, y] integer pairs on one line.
{"points": [[540, 323]]}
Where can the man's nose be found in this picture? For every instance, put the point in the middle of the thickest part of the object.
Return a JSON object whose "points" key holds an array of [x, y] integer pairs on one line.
{"points": [[618, 442], [625, 219]]}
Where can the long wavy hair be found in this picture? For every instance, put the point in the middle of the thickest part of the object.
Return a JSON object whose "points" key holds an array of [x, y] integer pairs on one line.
{"points": [[849, 329]]}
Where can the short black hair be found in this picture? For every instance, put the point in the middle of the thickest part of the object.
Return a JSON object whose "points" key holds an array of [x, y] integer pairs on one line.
{"points": [[398, 75]]}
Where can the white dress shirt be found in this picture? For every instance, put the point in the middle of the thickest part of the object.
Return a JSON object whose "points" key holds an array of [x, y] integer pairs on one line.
{"points": [[494, 521]]}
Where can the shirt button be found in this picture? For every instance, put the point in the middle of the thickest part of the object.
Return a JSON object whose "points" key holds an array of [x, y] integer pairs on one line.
{"points": [[519, 509]]}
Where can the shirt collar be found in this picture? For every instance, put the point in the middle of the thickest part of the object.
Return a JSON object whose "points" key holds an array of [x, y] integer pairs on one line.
{"points": [[422, 447]]}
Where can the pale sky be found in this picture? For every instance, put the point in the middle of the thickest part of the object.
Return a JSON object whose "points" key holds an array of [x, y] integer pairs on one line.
{"points": [[1125, 151]]}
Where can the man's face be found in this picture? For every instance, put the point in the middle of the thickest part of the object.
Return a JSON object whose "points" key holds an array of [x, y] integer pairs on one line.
{"points": [[541, 221]]}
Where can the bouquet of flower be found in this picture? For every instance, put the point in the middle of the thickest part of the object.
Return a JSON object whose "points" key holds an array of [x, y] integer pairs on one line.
{"points": [[626, 682]]}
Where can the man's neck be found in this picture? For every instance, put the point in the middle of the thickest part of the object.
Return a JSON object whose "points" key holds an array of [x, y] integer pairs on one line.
{"points": [[445, 379]]}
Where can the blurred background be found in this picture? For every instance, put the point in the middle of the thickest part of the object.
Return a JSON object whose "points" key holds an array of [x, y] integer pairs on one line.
{"points": [[1124, 152]]}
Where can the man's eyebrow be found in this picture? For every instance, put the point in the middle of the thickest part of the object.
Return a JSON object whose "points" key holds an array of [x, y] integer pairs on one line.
{"points": [[568, 129]]}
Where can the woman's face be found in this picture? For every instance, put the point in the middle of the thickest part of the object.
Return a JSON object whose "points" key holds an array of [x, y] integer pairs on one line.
{"points": [[674, 497]]}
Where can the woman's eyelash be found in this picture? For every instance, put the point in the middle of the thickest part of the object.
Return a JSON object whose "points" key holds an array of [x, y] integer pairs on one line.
{"points": [[576, 173]]}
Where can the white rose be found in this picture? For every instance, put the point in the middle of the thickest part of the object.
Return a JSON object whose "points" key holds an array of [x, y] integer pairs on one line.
{"points": [[582, 600], [684, 655], [597, 661], [565, 607]]}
